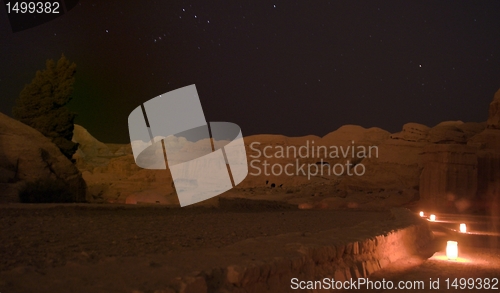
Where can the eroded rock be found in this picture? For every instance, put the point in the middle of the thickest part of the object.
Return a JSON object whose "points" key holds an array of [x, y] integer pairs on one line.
{"points": [[413, 132], [28, 156], [494, 112], [449, 177]]}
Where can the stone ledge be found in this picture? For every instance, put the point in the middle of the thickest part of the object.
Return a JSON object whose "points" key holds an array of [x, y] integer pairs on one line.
{"points": [[357, 253]]}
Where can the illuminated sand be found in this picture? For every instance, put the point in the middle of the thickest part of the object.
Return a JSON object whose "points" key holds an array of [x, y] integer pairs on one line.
{"points": [[478, 261]]}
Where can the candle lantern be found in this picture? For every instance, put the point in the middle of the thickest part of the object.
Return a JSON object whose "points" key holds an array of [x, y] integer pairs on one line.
{"points": [[452, 250], [463, 228]]}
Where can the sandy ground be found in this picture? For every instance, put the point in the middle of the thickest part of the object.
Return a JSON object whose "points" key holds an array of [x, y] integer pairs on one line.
{"points": [[46, 238]]}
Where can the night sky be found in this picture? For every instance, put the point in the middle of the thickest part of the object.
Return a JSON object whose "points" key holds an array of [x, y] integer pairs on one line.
{"points": [[281, 67]]}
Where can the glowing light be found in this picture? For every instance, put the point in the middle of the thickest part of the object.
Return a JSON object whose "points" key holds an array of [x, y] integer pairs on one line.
{"points": [[452, 250], [421, 214], [463, 228], [433, 218]]}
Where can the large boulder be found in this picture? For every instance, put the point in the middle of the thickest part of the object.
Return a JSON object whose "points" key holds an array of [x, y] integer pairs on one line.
{"points": [[26, 156]]}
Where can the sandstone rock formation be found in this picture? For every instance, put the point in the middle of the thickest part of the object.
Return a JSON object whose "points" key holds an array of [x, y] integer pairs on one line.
{"points": [[449, 177], [444, 132], [459, 177], [89, 145], [28, 156], [450, 165], [471, 128], [396, 168], [392, 169], [112, 175], [488, 144], [390, 176], [447, 132], [494, 112], [413, 132], [311, 159], [116, 178]]}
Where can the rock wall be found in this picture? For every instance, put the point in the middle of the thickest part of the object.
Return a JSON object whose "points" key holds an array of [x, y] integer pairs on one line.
{"points": [[461, 170], [449, 177], [488, 156]]}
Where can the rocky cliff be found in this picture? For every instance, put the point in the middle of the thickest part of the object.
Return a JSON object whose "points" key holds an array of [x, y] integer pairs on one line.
{"points": [[452, 165]]}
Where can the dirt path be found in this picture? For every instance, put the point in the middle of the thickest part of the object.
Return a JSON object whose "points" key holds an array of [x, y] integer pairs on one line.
{"points": [[49, 236]]}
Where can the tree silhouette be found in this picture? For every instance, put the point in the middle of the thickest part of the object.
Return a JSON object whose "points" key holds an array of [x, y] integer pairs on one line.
{"points": [[42, 104]]}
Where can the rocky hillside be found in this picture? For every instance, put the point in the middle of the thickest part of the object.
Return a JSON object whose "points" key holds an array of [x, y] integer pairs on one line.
{"points": [[351, 166]]}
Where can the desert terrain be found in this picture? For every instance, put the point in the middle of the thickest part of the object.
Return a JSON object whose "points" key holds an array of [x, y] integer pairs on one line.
{"points": [[127, 233]]}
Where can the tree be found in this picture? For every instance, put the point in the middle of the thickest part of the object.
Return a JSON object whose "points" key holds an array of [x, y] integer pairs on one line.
{"points": [[42, 104]]}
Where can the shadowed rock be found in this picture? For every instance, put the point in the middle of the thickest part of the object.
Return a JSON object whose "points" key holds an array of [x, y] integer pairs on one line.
{"points": [[494, 112], [449, 176], [28, 156]]}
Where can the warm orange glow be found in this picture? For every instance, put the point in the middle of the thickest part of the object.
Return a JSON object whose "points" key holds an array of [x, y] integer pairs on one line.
{"points": [[442, 257], [452, 250], [421, 214], [433, 218], [463, 228]]}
